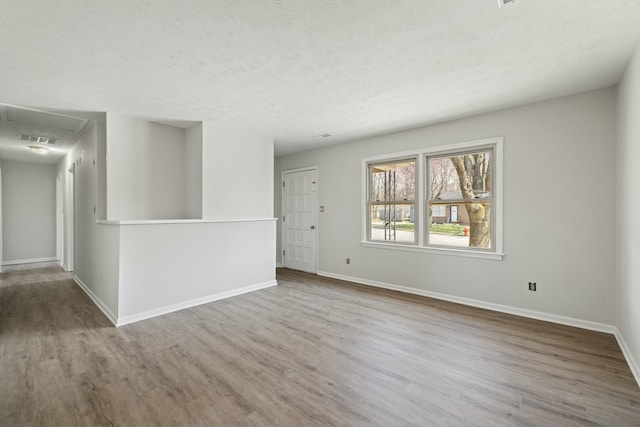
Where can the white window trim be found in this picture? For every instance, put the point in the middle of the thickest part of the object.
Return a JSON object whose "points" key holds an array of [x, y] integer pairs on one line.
{"points": [[421, 155], [416, 201]]}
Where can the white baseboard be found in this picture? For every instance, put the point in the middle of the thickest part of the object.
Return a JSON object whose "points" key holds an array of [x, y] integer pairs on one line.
{"points": [[64, 266], [97, 301], [631, 361], [131, 318], [279, 265], [538, 315], [29, 261]]}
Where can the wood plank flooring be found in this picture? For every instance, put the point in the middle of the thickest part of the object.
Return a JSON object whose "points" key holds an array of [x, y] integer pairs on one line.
{"points": [[311, 351]]}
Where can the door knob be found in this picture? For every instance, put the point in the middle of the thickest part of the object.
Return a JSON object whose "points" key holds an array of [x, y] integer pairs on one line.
{"points": [[313, 227]]}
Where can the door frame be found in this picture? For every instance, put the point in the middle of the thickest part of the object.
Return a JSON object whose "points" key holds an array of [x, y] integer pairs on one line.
{"points": [[60, 218], [1, 220], [316, 261], [71, 216]]}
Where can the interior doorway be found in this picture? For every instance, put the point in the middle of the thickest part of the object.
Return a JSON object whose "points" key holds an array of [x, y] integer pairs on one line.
{"points": [[60, 218]]}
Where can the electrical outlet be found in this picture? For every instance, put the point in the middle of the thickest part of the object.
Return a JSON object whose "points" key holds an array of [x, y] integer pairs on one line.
{"points": [[348, 260], [532, 286]]}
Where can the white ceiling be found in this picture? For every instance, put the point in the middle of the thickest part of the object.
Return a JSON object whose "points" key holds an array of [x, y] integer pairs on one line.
{"points": [[292, 69]]}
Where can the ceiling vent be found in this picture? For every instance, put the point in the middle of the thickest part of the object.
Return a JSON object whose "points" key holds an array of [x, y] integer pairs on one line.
{"points": [[505, 2], [37, 139], [323, 135]]}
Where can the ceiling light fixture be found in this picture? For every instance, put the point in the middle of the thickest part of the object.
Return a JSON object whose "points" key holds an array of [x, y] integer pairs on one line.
{"points": [[323, 135], [38, 150]]}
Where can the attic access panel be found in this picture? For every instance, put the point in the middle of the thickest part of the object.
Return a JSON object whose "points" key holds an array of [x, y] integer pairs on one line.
{"points": [[44, 119]]}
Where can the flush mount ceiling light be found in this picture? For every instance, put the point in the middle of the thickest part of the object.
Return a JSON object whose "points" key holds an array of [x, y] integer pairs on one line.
{"points": [[505, 2], [323, 135], [38, 150]]}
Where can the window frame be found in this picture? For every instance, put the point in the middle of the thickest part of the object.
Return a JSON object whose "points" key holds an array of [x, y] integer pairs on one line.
{"points": [[421, 201], [370, 202]]}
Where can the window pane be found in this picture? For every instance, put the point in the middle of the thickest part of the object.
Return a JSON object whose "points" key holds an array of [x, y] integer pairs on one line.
{"points": [[393, 181], [467, 176], [438, 212], [456, 178], [392, 222], [472, 229]]}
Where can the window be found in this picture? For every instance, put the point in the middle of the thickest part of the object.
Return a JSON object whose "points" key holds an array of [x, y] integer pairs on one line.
{"points": [[392, 196], [463, 178], [438, 211], [440, 199]]}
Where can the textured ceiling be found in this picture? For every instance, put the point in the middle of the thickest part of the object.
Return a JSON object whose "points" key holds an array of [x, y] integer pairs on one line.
{"points": [[292, 69]]}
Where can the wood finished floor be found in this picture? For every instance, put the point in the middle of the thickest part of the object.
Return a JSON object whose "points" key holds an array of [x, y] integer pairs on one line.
{"points": [[311, 351]]}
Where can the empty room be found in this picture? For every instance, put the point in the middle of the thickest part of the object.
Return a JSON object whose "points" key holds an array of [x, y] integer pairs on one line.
{"points": [[319, 213]]}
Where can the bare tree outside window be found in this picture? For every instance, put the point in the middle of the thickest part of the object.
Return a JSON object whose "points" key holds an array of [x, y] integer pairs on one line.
{"points": [[474, 175], [461, 179], [443, 176]]}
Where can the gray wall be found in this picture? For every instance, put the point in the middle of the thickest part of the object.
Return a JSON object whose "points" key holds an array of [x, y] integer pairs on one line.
{"points": [[559, 201], [237, 166], [95, 259], [103, 255], [628, 208], [146, 169], [193, 170], [28, 211]]}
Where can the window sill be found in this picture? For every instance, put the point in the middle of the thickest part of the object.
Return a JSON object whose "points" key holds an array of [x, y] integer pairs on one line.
{"points": [[434, 250]]}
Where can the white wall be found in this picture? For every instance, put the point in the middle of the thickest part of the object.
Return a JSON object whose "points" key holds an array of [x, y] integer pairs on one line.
{"points": [[559, 201], [193, 170], [95, 246], [237, 174], [628, 209], [29, 211], [135, 271], [168, 266], [146, 177]]}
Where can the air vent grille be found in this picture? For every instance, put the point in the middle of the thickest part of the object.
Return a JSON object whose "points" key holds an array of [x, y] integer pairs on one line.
{"points": [[37, 139], [323, 135]]}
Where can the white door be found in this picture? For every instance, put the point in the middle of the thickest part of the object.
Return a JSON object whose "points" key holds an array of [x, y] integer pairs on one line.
{"points": [[299, 220]]}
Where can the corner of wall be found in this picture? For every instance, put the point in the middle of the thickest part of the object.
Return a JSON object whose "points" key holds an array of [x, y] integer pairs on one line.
{"points": [[627, 280]]}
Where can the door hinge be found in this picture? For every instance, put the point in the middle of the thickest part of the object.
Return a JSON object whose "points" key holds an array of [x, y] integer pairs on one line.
{"points": [[282, 218], [283, 184], [282, 253]]}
